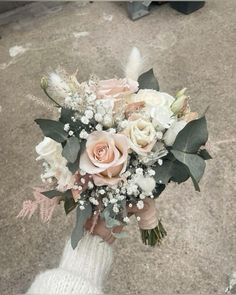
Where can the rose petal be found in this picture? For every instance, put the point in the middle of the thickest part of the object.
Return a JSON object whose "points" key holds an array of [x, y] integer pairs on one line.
{"points": [[116, 88], [101, 180], [87, 166]]}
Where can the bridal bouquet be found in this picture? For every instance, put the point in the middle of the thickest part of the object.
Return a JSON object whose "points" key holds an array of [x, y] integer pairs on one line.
{"points": [[114, 148]]}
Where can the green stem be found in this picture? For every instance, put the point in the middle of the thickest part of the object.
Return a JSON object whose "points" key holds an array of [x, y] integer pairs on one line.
{"points": [[53, 100], [153, 236]]}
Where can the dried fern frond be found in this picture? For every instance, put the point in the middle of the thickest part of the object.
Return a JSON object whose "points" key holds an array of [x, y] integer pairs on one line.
{"points": [[45, 206]]}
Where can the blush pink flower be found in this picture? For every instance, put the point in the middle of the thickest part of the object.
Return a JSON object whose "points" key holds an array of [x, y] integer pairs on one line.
{"points": [[116, 88], [105, 157]]}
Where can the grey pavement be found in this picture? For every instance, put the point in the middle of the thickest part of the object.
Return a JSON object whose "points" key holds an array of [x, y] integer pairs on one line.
{"points": [[195, 51]]}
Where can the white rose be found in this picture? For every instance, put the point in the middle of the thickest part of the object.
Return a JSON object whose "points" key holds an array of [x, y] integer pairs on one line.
{"points": [[153, 98], [162, 117], [158, 105], [141, 134], [172, 132], [51, 151]]}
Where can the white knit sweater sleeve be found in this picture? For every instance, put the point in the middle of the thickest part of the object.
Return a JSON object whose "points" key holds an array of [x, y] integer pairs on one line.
{"points": [[81, 271]]}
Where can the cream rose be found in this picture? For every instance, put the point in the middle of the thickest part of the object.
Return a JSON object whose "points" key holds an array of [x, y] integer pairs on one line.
{"points": [[51, 151], [141, 134], [158, 105], [116, 88], [152, 98], [105, 157]]}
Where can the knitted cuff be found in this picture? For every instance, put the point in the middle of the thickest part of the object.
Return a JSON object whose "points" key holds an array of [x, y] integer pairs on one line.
{"points": [[91, 259]]}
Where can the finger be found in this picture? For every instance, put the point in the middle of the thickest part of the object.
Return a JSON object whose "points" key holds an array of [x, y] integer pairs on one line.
{"points": [[101, 230]]}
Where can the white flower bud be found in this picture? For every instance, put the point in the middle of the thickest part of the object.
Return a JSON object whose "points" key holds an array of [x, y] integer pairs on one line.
{"points": [[98, 117], [71, 132], [147, 184], [89, 114], [126, 219], [84, 120], [140, 205], [180, 104], [67, 127], [181, 92]]}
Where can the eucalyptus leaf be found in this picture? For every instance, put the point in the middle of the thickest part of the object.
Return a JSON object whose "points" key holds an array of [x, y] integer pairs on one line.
{"points": [[66, 115], [51, 194], [73, 167], [195, 164], [148, 81], [159, 188], [110, 222], [204, 154], [52, 129], [192, 136], [75, 125], [121, 235], [71, 149], [70, 203], [81, 218], [171, 170], [180, 173], [163, 173]]}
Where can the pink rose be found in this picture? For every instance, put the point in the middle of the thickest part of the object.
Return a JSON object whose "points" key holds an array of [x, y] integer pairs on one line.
{"points": [[105, 157], [133, 107], [116, 88]]}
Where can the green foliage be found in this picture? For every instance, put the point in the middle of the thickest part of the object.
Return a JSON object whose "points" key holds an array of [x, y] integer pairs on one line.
{"points": [[71, 149], [53, 129], [192, 136], [120, 235], [154, 236], [194, 163], [171, 170], [185, 158], [73, 167], [53, 193], [110, 222], [159, 188], [77, 126], [148, 81], [81, 218], [204, 154], [70, 203], [67, 197], [180, 173], [66, 115]]}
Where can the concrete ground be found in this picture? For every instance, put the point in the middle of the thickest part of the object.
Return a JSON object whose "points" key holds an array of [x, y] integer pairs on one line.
{"points": [[196, 51]]}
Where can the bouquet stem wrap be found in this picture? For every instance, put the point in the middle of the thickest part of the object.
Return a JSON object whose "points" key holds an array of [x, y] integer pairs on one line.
{"points": [[148, 215], [152, 230]]}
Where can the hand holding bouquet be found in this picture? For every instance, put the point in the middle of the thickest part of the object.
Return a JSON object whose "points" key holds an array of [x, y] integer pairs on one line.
{"points": [[115, 147]]}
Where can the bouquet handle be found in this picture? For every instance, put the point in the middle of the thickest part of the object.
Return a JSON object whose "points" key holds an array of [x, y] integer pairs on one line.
{"points": [[151, 228]]}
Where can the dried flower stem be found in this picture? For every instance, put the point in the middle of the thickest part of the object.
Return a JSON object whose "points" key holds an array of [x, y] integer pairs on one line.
{"points": [[53, 100]]}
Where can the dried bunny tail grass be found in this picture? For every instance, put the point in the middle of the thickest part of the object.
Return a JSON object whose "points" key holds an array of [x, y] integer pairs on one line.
{"points": [[61, 83], [58, 85], [134, 65]]}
